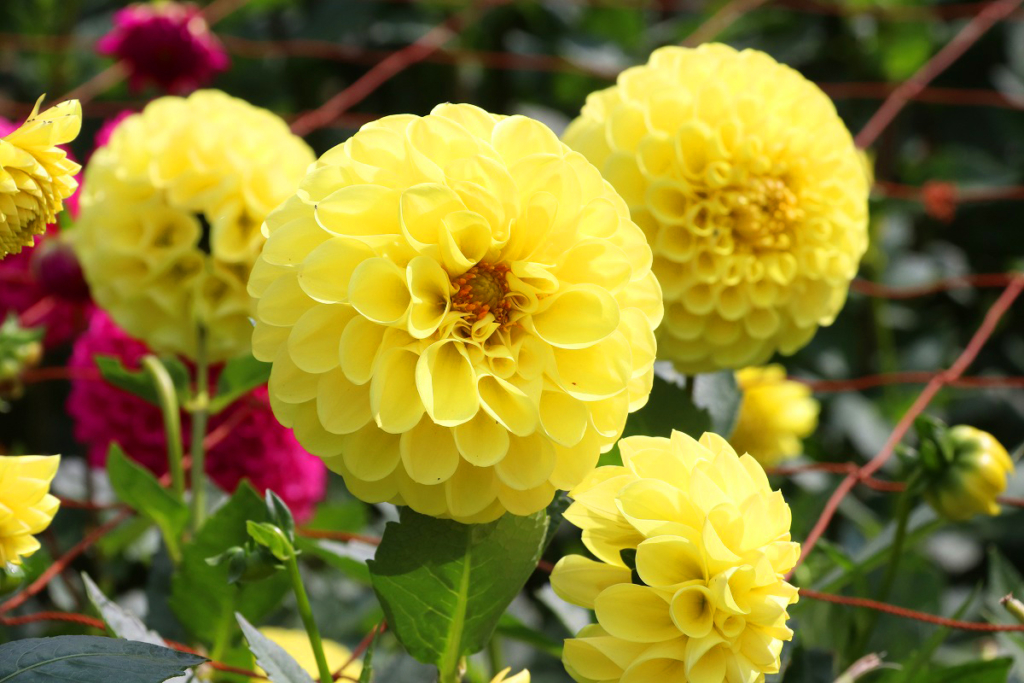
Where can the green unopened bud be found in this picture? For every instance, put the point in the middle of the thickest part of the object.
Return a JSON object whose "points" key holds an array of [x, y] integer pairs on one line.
{"points": [[972, 481], [1014, 606], [11, 578]]}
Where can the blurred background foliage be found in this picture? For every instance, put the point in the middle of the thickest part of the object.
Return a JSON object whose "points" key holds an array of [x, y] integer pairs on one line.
{"points": [[542, 58]]}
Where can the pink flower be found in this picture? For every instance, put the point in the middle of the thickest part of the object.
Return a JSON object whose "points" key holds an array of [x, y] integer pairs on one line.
{"points": [[168, 43], [248, 443]]}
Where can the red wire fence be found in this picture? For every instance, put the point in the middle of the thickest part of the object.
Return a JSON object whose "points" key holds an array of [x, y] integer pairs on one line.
{"points": [[435, 46]]}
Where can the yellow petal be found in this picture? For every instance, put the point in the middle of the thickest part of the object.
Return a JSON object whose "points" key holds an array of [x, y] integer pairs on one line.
{"points": [[343, 407], [394, 402], [528, 463], [447, 383], [371, 454], [482, 441], [470, 490], [313, 341], [326, 271], [378, 290], [634, 613], [430, 290], [580, 580], [577, 317], [429, 453]]}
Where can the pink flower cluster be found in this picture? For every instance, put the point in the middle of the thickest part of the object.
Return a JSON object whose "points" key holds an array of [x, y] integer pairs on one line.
{"points": [[247, 442], [168, 44]]}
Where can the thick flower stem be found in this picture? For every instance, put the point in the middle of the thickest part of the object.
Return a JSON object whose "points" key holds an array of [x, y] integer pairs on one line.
{"points": [[200, 409], [168, 397], [903, 508], [306, 612], [494, 655]]}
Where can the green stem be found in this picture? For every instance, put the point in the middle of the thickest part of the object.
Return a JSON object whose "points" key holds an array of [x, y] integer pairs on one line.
{"points": [[306, 612], [224, 628], [200, 409], [494, 655], [903, 508], [168, 397]]}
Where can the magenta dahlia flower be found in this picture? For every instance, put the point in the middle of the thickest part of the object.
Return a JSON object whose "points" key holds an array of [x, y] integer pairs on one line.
{"points": [[168, 44], [246, 441]]}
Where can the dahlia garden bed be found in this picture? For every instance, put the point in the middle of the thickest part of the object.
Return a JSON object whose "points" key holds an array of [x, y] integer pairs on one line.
{"points": [[511, 341]]}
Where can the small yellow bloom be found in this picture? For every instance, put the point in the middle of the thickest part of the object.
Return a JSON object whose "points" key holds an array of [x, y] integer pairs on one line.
{"points": [[36, 176], [974, 479], [702, 598], [296, 643], [171, 213], [459, 312], [521, 677], [26, 506], [750, 191], [775, 415]]}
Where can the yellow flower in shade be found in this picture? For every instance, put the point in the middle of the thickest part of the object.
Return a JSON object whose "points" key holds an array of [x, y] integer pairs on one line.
{"points": [[26, 506], [775, 415], [36, 176], [459, 313], [970, 484], [702, 598], [296, 643], [751, 193], [521, 677], [171, 214]]}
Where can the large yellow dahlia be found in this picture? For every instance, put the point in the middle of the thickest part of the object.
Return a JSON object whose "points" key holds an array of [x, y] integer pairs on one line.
{"points": [[459, 313], [26, 506], [751, 193], [36, 175], [775, 415], [692, 546], [171, 215]]}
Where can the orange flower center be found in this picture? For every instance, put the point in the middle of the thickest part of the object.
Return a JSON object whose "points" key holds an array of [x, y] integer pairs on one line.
{"points": [[483, 289], [765, 210]]}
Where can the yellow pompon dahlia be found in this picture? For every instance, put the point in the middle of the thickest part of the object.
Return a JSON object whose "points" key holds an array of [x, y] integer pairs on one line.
{"points": [[692, 546], [751, 193], [459, 313], [171, 212], [26, 506], [36, 176], [775, 415], [296, 643], [521, 677]]}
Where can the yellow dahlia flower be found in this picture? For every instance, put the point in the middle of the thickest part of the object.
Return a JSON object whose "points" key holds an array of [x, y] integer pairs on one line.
{"points": [[26, 506], [296, 643], [751, 193], [692, 546], [459, 313], [521, 677], [36, 176], [775, 415], [171, 215]]}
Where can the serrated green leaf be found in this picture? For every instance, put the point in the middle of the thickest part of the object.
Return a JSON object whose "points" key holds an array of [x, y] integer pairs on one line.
{"points": [[444, 585], [200, 595], [90, 659], [239, 377], [280, 666], [136, 487]]}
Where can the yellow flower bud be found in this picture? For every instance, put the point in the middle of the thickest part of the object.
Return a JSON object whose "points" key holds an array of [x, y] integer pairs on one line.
{"points": [[459, 312], [974, 479], [171, 215], [692, 547], [521, 677], [26, 506], [750, 191], [296, 643], [775, 415], [36, 175]]}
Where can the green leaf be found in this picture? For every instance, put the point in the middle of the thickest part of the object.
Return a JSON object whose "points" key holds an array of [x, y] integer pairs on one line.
{"points": [[239, 377], [120, 621], [271, 538], [139, 382], [444, 585], [280, 515], [280, 666], [200, 595], [90, 659], [139, 489], [982, 671]]}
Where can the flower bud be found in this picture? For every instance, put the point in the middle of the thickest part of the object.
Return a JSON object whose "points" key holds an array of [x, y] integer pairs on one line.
{"points": [[974, 477]]}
